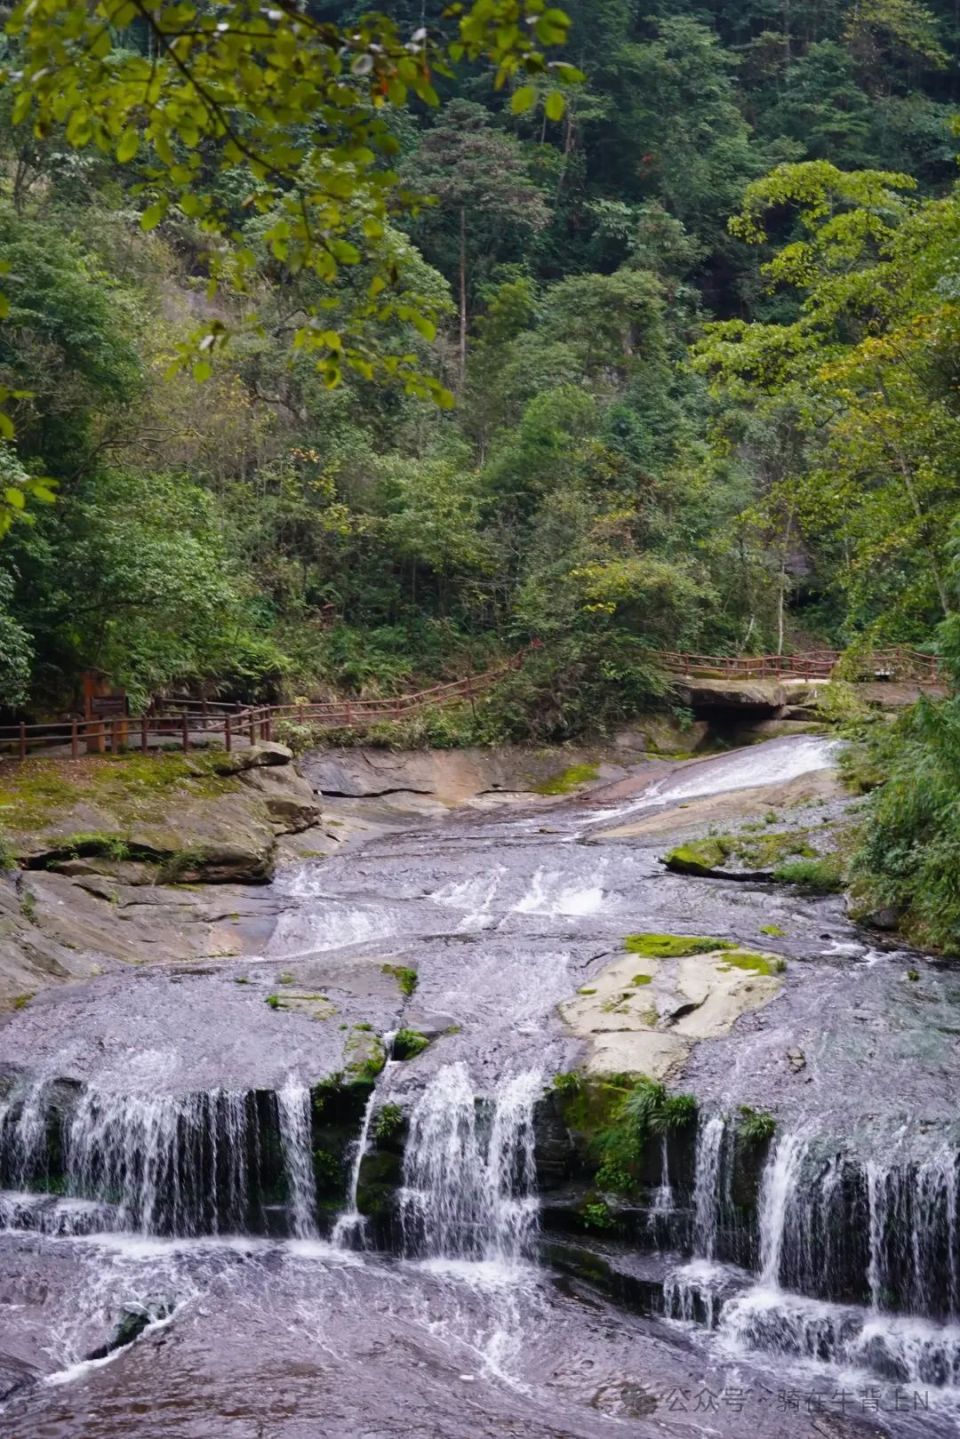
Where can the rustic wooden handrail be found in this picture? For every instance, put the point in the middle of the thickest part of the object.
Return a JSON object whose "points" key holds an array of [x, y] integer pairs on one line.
{"points": [[812, 664], [187, 724]]}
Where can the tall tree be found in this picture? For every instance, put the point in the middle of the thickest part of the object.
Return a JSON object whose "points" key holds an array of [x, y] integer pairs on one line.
{"points": [[484, 195]]}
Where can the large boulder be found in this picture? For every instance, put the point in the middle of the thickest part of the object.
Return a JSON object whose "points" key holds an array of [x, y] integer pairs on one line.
{"points": [[708, 695]]}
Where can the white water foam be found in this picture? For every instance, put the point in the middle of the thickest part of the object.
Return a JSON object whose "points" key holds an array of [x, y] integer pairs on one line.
{"points": [[293, 1111], [469, 1187], [775, 762]]}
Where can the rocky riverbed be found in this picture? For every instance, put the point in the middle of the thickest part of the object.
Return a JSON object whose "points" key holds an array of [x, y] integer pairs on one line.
{"points": [[392, 1167]]}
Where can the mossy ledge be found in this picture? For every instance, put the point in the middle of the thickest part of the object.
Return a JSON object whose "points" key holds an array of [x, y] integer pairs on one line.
{"points": [[568, 780], [672, 946]]}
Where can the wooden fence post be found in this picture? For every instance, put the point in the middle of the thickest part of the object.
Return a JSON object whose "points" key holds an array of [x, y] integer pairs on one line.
{"points": [[186, 732], [74, 739], [227, 734], [23, 740], [252, 727], [144, 740]]}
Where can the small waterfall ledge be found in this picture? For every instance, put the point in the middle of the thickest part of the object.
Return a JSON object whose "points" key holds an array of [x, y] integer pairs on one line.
{"points": [[795, 1247]]}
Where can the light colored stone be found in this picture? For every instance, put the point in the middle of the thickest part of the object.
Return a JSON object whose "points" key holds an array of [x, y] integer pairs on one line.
{"points": [[650, 1028]]}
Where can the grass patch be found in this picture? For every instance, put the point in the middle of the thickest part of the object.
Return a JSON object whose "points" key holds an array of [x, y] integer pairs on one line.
{"points": [[672, 946], [133, 786], [640, 979], [184, 861], [823, 875], [568, 779], [368, 1055], [774, 931], [406, 978], [644, 1111]]}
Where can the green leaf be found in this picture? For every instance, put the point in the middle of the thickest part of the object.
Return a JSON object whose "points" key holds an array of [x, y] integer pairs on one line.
{"points": [[555, 105], [128, 145], [152, 215], [523, 99]]}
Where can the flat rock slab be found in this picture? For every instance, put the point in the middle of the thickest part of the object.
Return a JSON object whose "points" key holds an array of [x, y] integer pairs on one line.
{"points": [[641, 1015]]}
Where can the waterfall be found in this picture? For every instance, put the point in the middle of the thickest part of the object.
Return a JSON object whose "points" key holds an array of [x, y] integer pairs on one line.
{"points": [[171, 1164], [293, 1112], [706, 1186], [777, 1194], [154, 1163], [663, 1196], [912, 1224], [469, 1180], [351, 1221], [23, 1135]]}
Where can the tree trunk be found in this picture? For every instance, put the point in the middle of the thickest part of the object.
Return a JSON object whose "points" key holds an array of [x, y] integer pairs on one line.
{"points": [[463, 296]]}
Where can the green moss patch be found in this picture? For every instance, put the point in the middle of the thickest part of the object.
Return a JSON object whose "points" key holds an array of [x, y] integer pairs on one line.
{"points": [[756, 963], [749, 849], [40, 791], [640, 979], [568, 780], [672, 946], [699, 857], [408, 1043]]}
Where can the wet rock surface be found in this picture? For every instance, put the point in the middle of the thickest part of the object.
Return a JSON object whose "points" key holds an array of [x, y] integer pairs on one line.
{"points": [[477, 929], [127, 876]]}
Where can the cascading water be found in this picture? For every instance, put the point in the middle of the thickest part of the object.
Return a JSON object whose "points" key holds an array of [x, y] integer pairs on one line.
{"points": [[706, 1186], [691, 1291], [777, 1196], [663, 1201], [350, 1223], [171, 1164], [293, 1110], [85, 1160], [886, 1233], [469, 1185]]}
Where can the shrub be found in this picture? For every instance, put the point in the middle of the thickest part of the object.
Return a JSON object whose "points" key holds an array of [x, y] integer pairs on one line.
{"points": [[756, 1126], [408, 1043]]}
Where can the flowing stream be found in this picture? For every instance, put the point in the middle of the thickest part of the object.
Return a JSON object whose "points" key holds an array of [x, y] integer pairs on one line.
{"points": [[228, 1204]]}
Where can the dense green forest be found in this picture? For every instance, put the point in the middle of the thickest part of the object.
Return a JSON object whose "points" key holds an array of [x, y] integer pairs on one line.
{"points": [[674, 364], [701, 335]]}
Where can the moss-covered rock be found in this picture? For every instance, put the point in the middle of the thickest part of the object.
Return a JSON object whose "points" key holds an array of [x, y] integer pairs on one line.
{"points": [[672, 946], [568, 780], [700, 857], [643, 1013]]}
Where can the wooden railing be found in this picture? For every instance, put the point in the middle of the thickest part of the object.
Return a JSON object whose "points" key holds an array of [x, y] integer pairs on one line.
{"points": [[190, 724], [888, 664]]}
